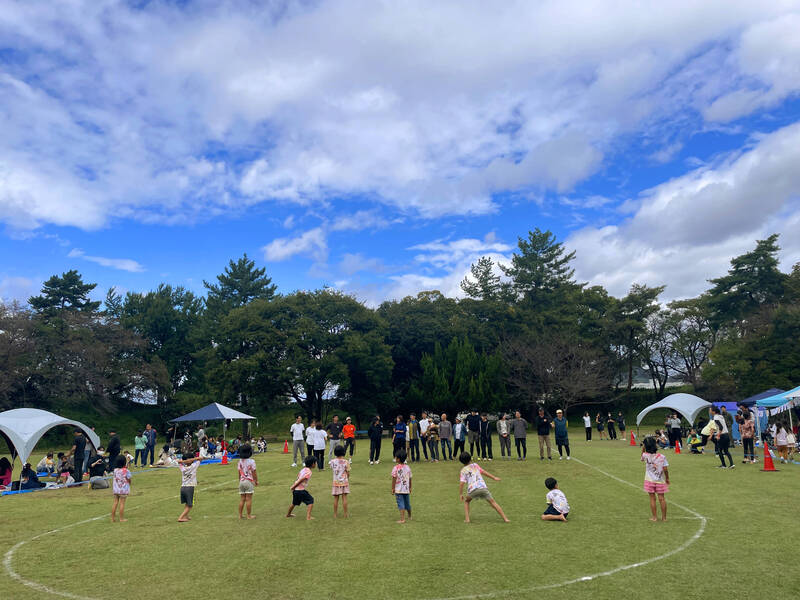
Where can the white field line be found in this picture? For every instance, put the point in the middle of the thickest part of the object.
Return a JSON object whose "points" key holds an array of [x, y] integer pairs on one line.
{"points": [[40, 587], [695, 515]]}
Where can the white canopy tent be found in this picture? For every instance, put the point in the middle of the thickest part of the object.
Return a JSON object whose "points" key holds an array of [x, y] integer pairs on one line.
{"points": [[22, 429], [687, 405]]}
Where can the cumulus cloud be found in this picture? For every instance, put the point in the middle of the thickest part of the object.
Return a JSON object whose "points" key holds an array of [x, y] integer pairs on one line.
{"points": [[174, 111], [122, 264], [312, 243], [686, 230]]}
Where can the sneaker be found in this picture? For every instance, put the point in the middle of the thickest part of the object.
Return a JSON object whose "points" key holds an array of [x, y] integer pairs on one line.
{"points": [[560, 458], [549, 458], [350, 461], [568, 458], [294, 464], [732, 466], [721, 467], [377, 462], [541, 458], [370, 462]]}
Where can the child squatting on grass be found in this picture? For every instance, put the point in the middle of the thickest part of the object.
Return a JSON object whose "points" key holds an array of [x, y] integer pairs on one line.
{"points": [[300, 494], [656, 477], [188, 467], [121, 487], [472, 474], [557, 505], [341, 480], [248, 479], [401, 485]]}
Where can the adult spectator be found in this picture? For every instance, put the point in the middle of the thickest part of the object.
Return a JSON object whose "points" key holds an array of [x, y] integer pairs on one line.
{"points": [[113, 447], [621, 424], [543, 425], [433, 440], [782, 440], [424, 423], [562, 437], [747, 427], [334, 430], [728, 418], [349, 436], [375, 433], [201, 434], [297, 429], [172, 432], [78, 447], [473, 431], [723, 438], [673, 424], [486, 438], [398, 435], [150, 449], [139, 444], [459, 437], [601, 425], [445, 433], [97, 464], [519, 427], [611, 425], [413, 437], [28, 480], [5, 473], [587, 425], [86, 453], [504, 433]]}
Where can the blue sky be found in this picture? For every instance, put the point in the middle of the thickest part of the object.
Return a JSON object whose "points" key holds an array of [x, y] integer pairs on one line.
{"points": [[381, 148]]}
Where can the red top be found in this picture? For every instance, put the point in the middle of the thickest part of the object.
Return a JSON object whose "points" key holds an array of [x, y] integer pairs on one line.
{"points": [[349, 431]]}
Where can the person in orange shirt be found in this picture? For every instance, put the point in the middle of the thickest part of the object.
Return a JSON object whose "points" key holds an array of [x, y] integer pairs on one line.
{"points": [[349, 435]]}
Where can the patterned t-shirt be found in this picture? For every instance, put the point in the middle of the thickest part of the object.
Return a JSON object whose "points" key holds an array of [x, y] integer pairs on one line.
{"points": [[340, 468], [189, 474], [654, 467], [471, 475], [247, 469], [305, 473], [558, 500], [402, 484], [122, 481]]}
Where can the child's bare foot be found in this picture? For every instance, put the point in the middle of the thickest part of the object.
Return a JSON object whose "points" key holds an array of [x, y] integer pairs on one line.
{"points": [[467, 521], [112, 520], [183, 520], [310, 518], [251, 516], [562, 517], [401, 521], [653, 519], [290, 516], [663, 519], [507, 521], [122, 520]]}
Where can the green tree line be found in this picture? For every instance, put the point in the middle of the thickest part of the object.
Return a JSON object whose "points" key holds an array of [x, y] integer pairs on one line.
{"points": [[525, 333]]}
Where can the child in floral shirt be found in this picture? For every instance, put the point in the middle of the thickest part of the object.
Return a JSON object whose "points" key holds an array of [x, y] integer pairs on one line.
{"points": [[401, 485], [341, 480], [121, 487], [656, 477]]}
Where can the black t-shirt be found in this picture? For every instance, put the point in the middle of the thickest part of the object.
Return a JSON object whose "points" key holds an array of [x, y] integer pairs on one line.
{"points": [[99, 469], [543, 425], [334, 430], [113, 446], [473, 422], [80, 445]]}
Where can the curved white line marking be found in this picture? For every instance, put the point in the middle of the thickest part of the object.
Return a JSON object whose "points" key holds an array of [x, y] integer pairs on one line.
{"points": [[700, 530], [40, 587]]}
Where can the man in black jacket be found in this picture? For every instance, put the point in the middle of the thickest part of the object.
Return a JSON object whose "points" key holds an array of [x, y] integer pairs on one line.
{"points": [[375, 433], [543, 425], [113, 449], [473, 431]]}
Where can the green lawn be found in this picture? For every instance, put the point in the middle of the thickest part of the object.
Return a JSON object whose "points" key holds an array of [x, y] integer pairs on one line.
{"points": [[744, 543]]}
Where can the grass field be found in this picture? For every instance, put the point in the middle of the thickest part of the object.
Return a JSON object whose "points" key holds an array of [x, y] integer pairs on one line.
{"points": [[736, 534]]}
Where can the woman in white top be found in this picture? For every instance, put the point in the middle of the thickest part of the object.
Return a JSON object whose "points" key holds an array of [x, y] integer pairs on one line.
{"points": [[587, 424], [311, 432], [782, 442], [320, 437]]}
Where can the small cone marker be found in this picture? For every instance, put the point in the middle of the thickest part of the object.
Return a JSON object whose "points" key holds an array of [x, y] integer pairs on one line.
{"points": [[286, 446], [633, 439], [768, 466], [677, 447]]}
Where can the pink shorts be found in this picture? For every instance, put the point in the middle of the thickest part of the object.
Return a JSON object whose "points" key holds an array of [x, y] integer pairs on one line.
{"points": [[339, 490], [655, 488]]}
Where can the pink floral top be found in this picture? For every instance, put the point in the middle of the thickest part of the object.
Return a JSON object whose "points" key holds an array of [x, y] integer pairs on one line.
{"points": [[247, 469], [402, 475], [122, 482], [654, 467], [341, 472], [305, 473]]}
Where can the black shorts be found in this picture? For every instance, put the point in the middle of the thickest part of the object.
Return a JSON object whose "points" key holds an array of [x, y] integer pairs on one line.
{"points": [[550, 510], [187, 495], [301, 497]]}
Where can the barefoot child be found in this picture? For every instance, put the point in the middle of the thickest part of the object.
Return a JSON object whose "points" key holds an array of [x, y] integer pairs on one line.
{"points": [[341, 480], [121, 488], [188, 467], [248, 479], [401, 485], [557, 505], [472, 475], [656, 477], [300, 494]]}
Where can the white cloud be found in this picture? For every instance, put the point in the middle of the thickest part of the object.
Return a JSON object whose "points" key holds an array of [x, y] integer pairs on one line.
{"points": [[442, 253], [360, 220], [167, 113], [17, 288], [686, 230], [122, 264], [313, 243]]}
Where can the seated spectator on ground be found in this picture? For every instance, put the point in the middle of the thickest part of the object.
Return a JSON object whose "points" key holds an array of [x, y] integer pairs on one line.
{"points": [[236, 443], [661, 439], [128, 458], [64, 467], [694, 442], [204, 454], [28, 479], [212, 446], [5, 473], [167, 458], [97, 464], [47, 465]]}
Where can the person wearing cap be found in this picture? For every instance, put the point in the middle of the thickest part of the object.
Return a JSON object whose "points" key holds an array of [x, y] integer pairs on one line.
{"points": [[562, 437], [113, 448], [349, 436]]}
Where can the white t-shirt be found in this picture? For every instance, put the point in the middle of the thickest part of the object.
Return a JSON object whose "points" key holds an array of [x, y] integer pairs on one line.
{"points": [[587, 421], [297, 430], [780, 437], [310, 435], [558, 500], [423, 426], [719, 421], [319, 439]]}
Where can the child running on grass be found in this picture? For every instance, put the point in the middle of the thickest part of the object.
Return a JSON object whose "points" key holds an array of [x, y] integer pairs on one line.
{"points": [[188, 467], [401, 485], [472, 475], [300, 494], [121, 487], [341, 480], [557, 505], [248, 479], [656, 477]]}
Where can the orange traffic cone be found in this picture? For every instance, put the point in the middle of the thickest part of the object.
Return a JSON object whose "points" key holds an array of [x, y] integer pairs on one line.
{"points": [[768, 466], [633, 440], [225, 457], [677, 447], [286, 447]]}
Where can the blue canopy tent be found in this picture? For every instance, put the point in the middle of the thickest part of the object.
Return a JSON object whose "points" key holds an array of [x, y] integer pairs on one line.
{"points": [[214, 412], [780, 400], [765, 394]]}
